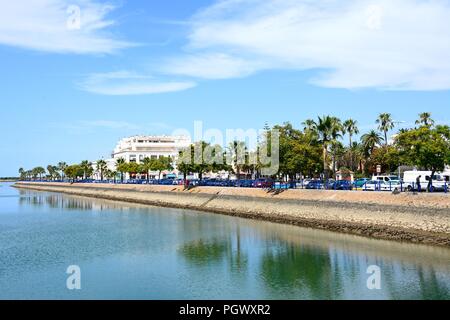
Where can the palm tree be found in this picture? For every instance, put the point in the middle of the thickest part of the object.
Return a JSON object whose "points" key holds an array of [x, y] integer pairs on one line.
{"points": [[350, 127], [62, 167], [38, 171], [336, 133], [309, 125], [121, 167], [101, 168], [238, 151], [324, 130], [148, 165], [22, 173], [425, 119], [51, 171], [370, 141], [86, 166], [385, 123]]}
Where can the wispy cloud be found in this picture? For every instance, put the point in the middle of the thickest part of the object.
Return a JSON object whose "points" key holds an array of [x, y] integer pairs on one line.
{"points": [[129, 83], [395, 45], [61, 26]]}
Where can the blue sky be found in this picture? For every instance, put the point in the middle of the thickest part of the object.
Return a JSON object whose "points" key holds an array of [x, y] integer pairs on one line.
{"points": [[152, 67]]}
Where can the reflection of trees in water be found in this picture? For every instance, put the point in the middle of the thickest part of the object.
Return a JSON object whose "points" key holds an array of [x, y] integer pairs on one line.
{"points": [[55, 201], [290, 267], [237, 258], [217, 235], [417, 283], [203, 252]]}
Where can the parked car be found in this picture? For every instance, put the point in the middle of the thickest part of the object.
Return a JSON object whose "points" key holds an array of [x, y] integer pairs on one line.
{"points": [[379, 185], [315, 184], [304, 183], [340, 185], [244, 183], [263, 183], [359, 183]]}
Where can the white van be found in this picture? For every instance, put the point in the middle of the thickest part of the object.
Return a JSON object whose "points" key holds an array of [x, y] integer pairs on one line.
{"points": [[387, 179], [439, 181]]}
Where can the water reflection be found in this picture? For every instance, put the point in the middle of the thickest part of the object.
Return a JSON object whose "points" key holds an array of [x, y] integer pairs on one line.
{"points": [[295, 263], [205, 253], [58, 201], [288, 267], [186, 254]]}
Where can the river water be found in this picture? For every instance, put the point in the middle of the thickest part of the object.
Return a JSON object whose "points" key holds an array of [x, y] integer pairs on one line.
{"points": [[127, 251]]}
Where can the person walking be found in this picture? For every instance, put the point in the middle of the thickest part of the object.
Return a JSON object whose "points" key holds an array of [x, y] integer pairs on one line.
{"points": [[419, 186]]}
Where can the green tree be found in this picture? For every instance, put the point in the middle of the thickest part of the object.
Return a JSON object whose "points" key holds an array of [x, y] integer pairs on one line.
{"points": [[22, 174], [370, 141], [87, 168], [385, 124], [327, 129], [148, 166], [52, 172], [134, 168], [161, 164], [121, 167], [350, 127], [237, 151], [101, 168], [38, 171], [62, 167], [73, 172], [425, 119], [425, 147], [110, 174]]}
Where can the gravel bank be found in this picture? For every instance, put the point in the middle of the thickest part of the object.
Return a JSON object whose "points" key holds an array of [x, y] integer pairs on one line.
{"points": [[423, 218]]}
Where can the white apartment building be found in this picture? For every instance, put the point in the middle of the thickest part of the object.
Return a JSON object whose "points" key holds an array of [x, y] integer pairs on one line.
{"points": [[137, 148]]}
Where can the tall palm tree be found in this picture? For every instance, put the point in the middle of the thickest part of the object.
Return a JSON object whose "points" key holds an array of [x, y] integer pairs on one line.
{"points": [[61, 167], [350, 127], [370, 141], [336, 133], [238, 150], [86, 166], [51, 171], [39, 171], [324, 130], [22, 173], [101, 168], [309, 125], [385, 124], [425, 119]]}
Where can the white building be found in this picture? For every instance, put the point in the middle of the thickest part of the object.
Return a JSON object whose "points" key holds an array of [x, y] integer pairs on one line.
{"points": [[137, 148]]}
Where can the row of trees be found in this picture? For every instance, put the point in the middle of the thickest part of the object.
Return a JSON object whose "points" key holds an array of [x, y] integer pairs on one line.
{"points": [[318, 148], [87, 169]]}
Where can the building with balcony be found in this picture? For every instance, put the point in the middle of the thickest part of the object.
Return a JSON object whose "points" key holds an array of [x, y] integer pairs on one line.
{"points": [[137, 148]]}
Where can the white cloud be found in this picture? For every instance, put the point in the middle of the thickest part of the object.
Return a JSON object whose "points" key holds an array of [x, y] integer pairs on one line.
{"points": [[212, 66], [49, 25], [128, 83], [397, 45]]}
